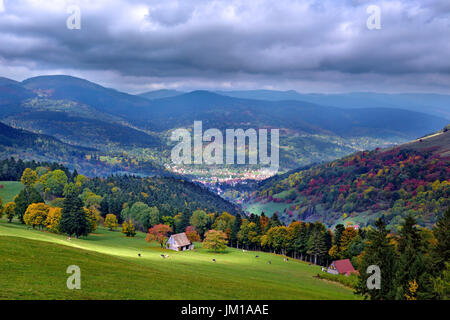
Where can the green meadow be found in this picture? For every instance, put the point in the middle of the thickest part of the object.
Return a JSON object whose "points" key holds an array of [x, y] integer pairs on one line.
{"points": [[33, 265], [10, 190]]}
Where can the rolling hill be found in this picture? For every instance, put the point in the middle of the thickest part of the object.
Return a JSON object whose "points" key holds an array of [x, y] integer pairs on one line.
{"points": [[109, 261], [413, 178], [17, 142], [82, 113]]}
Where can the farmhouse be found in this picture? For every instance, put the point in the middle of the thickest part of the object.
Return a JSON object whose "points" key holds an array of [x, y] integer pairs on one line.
{"points": [[179, 242], [341, 267]]}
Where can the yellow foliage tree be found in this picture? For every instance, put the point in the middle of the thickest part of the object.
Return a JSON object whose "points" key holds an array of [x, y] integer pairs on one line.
{"points": [[92, 215], [111, 221], [334, 252], [9, 210], [53, 218], [29, 177], [36, 215], [128, 228], [413, 286]]}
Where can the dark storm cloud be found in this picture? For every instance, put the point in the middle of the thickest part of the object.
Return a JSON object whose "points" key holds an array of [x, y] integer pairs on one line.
{"points": [[285, 44]]}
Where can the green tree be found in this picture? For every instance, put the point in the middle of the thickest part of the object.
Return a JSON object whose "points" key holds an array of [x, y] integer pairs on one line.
{"points": [[139, 213], [154, 216], [26, 196], [411, 266], [54, 182], [441, 252], [73, 218], [199, 220], [235, 229], [380, 252]]}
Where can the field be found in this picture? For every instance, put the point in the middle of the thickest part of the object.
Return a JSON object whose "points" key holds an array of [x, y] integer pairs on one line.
{"points": [[268, 208], [33, 266], [9, 190]]}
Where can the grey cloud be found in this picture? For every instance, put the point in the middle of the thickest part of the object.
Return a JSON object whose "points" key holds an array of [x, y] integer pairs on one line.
{"points": [[239, 43]]}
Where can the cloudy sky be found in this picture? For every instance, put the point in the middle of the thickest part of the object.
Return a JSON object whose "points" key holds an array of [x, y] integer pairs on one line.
{"points": [[305, 45]]}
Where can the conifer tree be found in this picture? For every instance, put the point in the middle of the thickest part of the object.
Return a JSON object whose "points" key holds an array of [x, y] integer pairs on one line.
{"points": [[379, 252], [73, 218], [235, 229]]}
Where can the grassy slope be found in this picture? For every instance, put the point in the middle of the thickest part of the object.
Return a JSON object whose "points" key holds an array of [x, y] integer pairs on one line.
{"points": [[33, 265], [10, 189]]}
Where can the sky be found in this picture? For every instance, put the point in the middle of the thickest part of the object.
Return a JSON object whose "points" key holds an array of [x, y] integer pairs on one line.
{"points": [[305, 45]]}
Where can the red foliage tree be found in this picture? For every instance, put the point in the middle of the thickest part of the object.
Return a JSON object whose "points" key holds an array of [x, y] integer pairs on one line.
{"points": [[192, 234], [158, 233]]}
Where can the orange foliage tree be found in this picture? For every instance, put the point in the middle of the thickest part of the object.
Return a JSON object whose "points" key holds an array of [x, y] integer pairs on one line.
{"points": [[192, 234], [158, 233]]}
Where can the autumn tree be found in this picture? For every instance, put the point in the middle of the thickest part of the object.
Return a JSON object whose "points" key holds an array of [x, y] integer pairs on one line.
{"points": [[36, 214], [29, 177], [9, 210], [159, 234], [53, 219], [128, 228], [92, 217], [215, 240], [111, 221], [192, 234], [26, 196], [345, 241], [224, 223]]}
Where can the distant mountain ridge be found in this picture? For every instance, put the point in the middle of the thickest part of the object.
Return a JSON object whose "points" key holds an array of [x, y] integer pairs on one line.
{"points": [[435, 104], [84, 113], [160, 94]]}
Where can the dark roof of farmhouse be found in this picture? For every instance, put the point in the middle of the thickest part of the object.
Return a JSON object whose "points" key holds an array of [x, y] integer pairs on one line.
{"points": [[181, 239]]}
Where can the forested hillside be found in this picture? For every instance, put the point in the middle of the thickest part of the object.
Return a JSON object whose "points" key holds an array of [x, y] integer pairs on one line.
{"points": [[409, 179], [130, 133]]}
